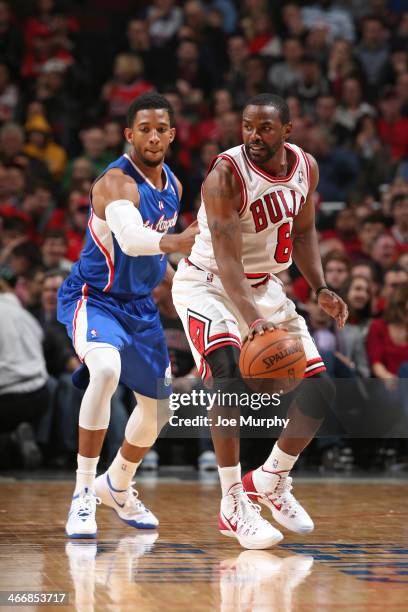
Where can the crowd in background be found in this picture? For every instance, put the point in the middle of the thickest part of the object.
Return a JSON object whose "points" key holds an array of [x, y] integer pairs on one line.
{"points": [[68, 71]]}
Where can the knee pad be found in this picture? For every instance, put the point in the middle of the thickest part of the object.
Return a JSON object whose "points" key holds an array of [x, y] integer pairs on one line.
{"points": [[315, 395], [224, 364], [146, 421], [104, 367]]}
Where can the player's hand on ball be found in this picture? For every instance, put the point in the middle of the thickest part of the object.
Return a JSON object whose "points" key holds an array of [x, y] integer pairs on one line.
{"points": [[260, 326], [331, 303]]}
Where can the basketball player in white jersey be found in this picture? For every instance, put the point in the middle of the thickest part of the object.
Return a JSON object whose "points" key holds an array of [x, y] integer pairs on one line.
{"points": [[257, 213]]}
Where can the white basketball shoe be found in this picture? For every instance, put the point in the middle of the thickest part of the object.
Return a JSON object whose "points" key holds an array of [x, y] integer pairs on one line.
{"points": [[274, 491], [81, 521], [241, 519], [126, 503]]}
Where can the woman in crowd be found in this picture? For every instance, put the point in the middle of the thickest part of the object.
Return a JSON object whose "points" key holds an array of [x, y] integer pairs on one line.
{"points": [[387, 340], [351, 339], [387, 348]]}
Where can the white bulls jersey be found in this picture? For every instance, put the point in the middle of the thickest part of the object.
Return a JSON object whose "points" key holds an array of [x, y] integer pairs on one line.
{"points": [[268, 206]]}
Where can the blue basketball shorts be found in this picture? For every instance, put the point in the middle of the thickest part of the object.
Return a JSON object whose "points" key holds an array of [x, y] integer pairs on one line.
{"points": [[95, 319]]}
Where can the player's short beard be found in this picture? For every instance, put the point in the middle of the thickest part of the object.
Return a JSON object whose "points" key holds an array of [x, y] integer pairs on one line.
{"points": [[146, 162], [270, 152], [151, 163]]}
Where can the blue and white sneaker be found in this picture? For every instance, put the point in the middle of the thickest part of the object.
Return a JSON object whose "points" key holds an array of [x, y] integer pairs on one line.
{"points": [[81, 521], [126, 503]]}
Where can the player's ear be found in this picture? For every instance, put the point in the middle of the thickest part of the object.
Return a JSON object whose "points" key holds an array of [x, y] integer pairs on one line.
{"points": [[128, 132], [172, 134], [287, 129]]}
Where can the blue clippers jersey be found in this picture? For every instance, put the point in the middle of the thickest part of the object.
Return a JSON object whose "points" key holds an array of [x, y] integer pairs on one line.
{"points": [[103, 265]]}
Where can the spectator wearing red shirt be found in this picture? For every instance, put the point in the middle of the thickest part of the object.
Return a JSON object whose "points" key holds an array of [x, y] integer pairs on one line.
{"points": [[212, 129], [387, 340], [45, 22], [345, 229], [393, 277], [264, 40], [384, 251], [75, 232], [392, 126], [45, 48], [128, 83], [73, 222], [336, 268], [39, 24], [370, 228]]}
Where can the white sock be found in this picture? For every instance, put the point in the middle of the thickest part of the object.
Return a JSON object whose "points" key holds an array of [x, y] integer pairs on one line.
{"points": [[229, 476], [86, 472], [278, 461], [122, 471]]}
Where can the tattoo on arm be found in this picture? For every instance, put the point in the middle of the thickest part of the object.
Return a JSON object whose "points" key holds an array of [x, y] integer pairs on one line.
{"points": [[223, 230], [217, 192]]}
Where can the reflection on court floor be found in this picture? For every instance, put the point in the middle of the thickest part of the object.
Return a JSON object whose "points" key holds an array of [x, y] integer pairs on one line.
{"points": [[116, 571], [356, 559]]}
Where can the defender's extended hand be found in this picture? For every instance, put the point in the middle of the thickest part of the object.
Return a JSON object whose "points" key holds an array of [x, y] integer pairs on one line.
{"points": [[180, 243], [187, 238]]}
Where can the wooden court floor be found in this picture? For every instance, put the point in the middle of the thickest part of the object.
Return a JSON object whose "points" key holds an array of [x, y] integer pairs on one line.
{"points": [[357, 558]]}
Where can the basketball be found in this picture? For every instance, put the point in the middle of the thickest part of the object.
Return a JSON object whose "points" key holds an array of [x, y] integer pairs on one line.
{"points": [[274, 355]]}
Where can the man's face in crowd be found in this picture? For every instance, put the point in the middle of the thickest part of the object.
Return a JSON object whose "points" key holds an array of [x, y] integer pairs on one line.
{"points": [[400, 211], [369, 232], [336, 274], [392, 280], [53, 250], [49, 293]]}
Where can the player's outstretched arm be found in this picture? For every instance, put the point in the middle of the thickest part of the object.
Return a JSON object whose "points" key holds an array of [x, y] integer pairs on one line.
{"points": [[222, 198], [306, 254], [115, 198]]}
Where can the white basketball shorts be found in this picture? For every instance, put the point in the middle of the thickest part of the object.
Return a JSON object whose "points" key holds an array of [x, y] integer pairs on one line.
{"points": [[211, 320]]}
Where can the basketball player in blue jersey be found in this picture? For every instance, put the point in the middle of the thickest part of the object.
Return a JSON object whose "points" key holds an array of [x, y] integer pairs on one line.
{"points": [[109, 313]]}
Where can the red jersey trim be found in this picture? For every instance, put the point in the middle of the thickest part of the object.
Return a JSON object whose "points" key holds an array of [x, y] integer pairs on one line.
{"points": [[236, 170], [269, 177], [77, 309], [308, 169], [109, 262], [314, 372]]}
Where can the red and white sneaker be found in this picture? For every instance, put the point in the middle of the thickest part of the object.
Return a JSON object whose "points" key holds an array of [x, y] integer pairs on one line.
{"points": [[274, 491], [241, 519]]}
